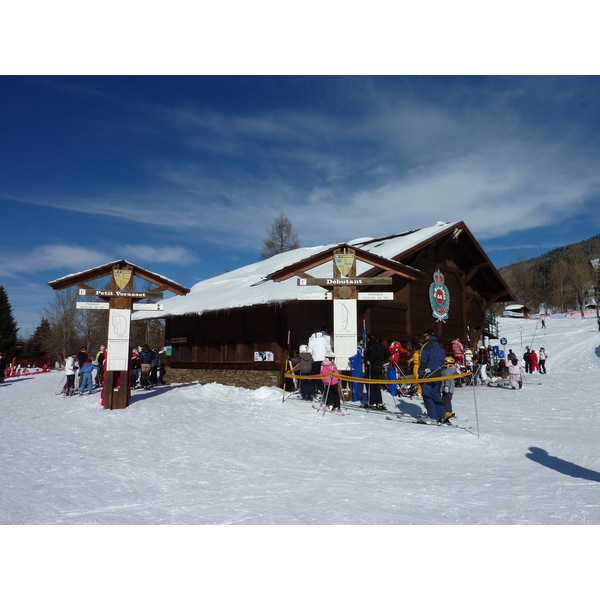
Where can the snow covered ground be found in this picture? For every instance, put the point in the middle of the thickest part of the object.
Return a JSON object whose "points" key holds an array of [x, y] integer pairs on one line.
{"points": [[215, 455]]}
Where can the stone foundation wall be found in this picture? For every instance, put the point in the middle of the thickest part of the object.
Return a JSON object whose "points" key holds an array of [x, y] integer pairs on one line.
{"points": [[251, 380]]}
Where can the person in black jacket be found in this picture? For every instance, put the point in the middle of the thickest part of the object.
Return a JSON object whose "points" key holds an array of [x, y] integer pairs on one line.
{"points": [[376, 355], [82, 358], [146, 357]]}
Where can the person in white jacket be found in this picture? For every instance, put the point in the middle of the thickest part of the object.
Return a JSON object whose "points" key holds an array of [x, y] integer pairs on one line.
{"points": [[70, 373], [319, 345]]}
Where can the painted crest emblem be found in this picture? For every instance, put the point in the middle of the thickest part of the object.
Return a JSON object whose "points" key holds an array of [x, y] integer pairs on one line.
{"points": [[122, 277], [439, 297], [344, 263]]}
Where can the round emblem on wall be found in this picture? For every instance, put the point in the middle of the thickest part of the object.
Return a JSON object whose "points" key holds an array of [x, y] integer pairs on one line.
{"points": [[439, 297]]}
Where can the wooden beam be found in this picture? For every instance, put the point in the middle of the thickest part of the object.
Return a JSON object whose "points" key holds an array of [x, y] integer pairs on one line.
{"points": [[473, 271]]}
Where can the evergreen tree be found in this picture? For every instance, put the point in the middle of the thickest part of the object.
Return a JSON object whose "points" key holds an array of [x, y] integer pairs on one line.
{"points": [[281, 237], [40, 342], [8, 325]]}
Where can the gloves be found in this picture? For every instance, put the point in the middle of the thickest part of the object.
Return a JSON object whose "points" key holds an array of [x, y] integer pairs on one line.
{"points": [[427, 371]]}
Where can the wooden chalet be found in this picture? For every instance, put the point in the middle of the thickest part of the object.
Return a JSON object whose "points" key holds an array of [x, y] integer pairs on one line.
{"points": [[226, 327]]}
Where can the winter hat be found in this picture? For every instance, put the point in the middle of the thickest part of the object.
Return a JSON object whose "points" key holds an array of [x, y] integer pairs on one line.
{"points": [[304, 348], [330, 355]]}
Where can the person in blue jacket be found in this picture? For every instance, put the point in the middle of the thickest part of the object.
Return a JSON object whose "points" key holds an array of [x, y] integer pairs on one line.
{"points": [[86, 376], [432, 360]]}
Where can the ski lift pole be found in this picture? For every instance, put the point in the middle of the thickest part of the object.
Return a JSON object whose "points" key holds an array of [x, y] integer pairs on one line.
{"points": [[535, 331]]}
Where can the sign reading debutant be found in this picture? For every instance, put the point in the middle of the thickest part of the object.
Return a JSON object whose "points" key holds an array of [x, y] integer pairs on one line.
{"points": [[345, 281]]}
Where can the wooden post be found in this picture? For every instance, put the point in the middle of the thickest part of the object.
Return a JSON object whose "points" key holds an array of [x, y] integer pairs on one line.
{"points": [[116, 387]]}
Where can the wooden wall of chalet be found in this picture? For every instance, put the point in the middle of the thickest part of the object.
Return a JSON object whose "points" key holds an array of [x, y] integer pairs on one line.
{"points": [[410, 313], [233, 336]]}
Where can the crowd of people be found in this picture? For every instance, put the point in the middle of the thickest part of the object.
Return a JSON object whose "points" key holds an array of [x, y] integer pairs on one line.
{"points": [[428, 361], [84, 373]]}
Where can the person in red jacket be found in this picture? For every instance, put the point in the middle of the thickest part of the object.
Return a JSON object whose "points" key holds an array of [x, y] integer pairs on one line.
{"points": [[396, 351]]}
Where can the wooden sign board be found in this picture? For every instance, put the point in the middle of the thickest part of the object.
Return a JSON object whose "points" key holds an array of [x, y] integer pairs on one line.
{"points": [[93, 305], [346, 281], [375, 295], [119, 294], [315, 296]]}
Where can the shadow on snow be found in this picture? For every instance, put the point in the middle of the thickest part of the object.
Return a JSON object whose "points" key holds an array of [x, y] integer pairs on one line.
{"points": [[562, 466]]}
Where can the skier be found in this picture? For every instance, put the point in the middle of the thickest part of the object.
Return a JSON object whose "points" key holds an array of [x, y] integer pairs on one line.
{"points": [[305, 360], [482, 362], [543, 355], [396, 350], [533, 357], [514, 370], [146, 358], [448, 388], [100, 363], [458, 350], [86, 376], [82, 357], [70, 373], [432, 360], [135, 368], [527, 359], [160, 370], [3, 361], [331, 383], [376, 355], [319, 344], [414, 360]]}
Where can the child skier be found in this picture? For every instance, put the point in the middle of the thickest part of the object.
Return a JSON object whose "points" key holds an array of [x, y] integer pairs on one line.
{"points": [[86, 376], [305, 360], [331, 396], [448, 388], [514, 370]]}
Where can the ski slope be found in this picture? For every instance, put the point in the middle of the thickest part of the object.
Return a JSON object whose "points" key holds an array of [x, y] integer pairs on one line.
{"points": [[210, 454]]}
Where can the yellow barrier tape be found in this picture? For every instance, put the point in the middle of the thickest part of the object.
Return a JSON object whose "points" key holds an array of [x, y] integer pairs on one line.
{"points": [[380, 381]]}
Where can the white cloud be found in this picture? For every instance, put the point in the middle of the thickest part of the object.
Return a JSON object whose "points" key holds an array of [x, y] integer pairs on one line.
{"points": [[395, 163], [76, 258]]}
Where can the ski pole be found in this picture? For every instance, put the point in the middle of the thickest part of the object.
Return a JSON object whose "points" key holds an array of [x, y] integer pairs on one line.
{"points": [[476, 414], [324, 403]]}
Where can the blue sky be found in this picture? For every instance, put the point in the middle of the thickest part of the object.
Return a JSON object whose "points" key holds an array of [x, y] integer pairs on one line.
{"points": [[183, 175]]}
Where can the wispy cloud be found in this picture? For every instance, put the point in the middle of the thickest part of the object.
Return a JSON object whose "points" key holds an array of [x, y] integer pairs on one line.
{"points": [[77, 258], [391, 159]]}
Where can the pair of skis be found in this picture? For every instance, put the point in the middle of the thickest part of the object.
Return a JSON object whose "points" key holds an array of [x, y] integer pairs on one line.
{"points": [[404, 419]]}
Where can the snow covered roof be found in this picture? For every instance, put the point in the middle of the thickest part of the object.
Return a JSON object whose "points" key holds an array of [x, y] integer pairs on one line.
{"points": [[106, 269], [249, 285]]}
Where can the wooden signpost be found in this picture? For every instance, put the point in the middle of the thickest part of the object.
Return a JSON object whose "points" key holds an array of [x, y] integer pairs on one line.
{"points": [[119, 301], [344, 286]]}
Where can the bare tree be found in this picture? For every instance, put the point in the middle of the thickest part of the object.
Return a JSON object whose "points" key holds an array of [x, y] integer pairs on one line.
{"points": [[581, 276], [63, 317], [281, 237], [560, 287]]}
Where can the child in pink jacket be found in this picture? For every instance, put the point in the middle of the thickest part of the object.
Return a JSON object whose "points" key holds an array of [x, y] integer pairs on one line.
{"points": [[331, 396]]}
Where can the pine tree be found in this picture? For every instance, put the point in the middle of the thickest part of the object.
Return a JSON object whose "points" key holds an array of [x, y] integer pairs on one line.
{"points": [[281, 237], [40, 342], [8, 325]]}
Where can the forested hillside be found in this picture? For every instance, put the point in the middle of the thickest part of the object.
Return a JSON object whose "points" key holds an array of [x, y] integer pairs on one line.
{"points": [[565, 278]]}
